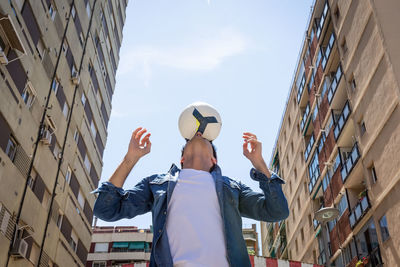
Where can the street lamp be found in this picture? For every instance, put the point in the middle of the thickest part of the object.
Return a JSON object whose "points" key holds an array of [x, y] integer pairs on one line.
{"points": [[325, 215]]}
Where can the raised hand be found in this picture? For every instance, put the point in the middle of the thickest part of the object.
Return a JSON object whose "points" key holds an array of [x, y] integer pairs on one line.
{"points": [[139, 145], [252, 149]]}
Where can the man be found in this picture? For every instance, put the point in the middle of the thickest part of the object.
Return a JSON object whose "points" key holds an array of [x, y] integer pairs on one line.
{"points": [[196, 211]]}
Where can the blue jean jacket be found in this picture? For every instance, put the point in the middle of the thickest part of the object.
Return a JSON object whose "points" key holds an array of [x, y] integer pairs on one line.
{"points": [[235, 200]]}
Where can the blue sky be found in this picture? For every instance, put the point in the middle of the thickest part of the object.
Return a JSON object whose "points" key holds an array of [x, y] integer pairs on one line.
{"points": [[238, 56]]}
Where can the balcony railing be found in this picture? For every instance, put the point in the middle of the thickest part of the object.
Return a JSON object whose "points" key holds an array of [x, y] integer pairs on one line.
{"points": [[321, 22], [305, 116], [334, 84], [375, 258], [309, 147], [350, 162], [344, 115], [301, 88], [359, 211], [328, 50]]}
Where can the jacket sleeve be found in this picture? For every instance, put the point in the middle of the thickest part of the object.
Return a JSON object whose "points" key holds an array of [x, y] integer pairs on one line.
{"points": [[114, 203], [269, 206]]}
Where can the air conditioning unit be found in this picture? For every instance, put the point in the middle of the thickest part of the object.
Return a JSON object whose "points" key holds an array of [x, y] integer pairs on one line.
{"points": [[3, 58], [46, 137], [20, 248], [75, 78]]}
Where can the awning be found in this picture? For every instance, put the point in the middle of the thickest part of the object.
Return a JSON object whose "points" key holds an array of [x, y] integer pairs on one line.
{"points": [[12, 36], [120, 244], [137, 245]]}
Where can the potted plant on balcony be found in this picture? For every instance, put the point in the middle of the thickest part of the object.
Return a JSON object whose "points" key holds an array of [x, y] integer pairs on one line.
{"points": [[362, 262], [362, 195]]}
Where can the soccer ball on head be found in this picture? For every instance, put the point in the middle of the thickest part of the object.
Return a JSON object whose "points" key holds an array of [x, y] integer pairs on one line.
{"points": [[200, 117]]}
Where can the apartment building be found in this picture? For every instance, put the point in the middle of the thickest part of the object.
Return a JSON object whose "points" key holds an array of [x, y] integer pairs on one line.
{"points": [[58, 62], [250, 236], [338, 142], [119, 246]]}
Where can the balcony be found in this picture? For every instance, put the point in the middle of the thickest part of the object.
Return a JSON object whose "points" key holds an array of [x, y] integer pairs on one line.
{"points": [[334, 84], [309, 147], [321, 21], [305, 116], [300, 86], [328, 50], [344, 115], [358, 212], [350, 162]]}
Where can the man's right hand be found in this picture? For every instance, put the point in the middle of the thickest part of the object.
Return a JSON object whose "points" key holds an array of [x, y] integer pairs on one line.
{"points": [[139, 145]]}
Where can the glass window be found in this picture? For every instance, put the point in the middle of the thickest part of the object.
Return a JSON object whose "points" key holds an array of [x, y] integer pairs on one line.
{"points": [[11, 148], [384, 228], [88, 11], [101, 247], [74, 240], [54, 85], [68, 174], [65, 109], [87, 163], [81, 199], [343, 205]]}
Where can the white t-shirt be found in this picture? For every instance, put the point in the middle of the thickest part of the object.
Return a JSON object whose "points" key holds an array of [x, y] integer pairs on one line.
{"points": [[194, 223]]}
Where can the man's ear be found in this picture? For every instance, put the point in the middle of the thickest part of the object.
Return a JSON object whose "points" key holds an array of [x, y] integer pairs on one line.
{"points": [[214, 160], [182, 160]]}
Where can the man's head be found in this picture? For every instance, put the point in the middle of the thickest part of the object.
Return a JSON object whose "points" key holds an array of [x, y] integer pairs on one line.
{"points": [[199, 153]]}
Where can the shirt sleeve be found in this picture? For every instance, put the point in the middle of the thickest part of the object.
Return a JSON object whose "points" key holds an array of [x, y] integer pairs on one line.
{"points": [[114, 203], [270, 205]]}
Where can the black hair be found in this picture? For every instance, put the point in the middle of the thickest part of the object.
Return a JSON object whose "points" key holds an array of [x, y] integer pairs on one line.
{"points": [[213, 148]]}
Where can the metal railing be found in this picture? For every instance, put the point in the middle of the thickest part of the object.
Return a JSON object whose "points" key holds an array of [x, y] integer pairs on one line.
{"points": [[344, 115], [350, 162], [358, 212]]}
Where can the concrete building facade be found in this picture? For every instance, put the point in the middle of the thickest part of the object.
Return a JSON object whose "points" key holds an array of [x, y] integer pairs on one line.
{"points": [[58, 63], [119, 246], [250, 236], [339, 139]]}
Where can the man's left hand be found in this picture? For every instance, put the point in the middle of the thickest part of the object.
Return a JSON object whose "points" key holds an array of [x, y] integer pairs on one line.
{"points": [[252, 149]]}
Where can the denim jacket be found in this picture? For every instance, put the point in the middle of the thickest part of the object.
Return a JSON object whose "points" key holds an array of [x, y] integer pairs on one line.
{"points": [[235, 200]]}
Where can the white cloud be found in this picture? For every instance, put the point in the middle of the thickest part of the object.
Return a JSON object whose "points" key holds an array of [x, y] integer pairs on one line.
{"points": [[202, 54]]}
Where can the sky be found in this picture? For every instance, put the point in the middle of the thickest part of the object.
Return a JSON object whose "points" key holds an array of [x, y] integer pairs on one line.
{"points": [[239, 56]]}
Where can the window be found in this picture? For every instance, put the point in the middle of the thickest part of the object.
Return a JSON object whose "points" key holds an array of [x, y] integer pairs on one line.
{"points": [[31, 179], [343, 45], [93, 129], [28, 95], [11, 148], [83, 98], [74, 240], [52, 11], [73, 12], [59, 219], [87, 163], [81, 199], [373, 174], [81, 38], [342, 205], [363, 129], [68, 174], [56, 151], [297, 246], [384, 228], [298, 203], [73, 70], [65, 47], [76, 135], [88, 11], [55, 85], [101, 247], [309, 220], [99, 264], [336, 13], [302, 234], [353, 84], [65, 110], [98, 97]]}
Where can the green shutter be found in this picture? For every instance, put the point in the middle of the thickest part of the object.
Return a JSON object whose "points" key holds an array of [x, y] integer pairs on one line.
{"points": [[120, 244], [136, 245]]}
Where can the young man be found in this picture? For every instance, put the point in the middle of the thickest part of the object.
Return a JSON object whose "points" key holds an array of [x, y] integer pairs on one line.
{"points": [[196, 211]]}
